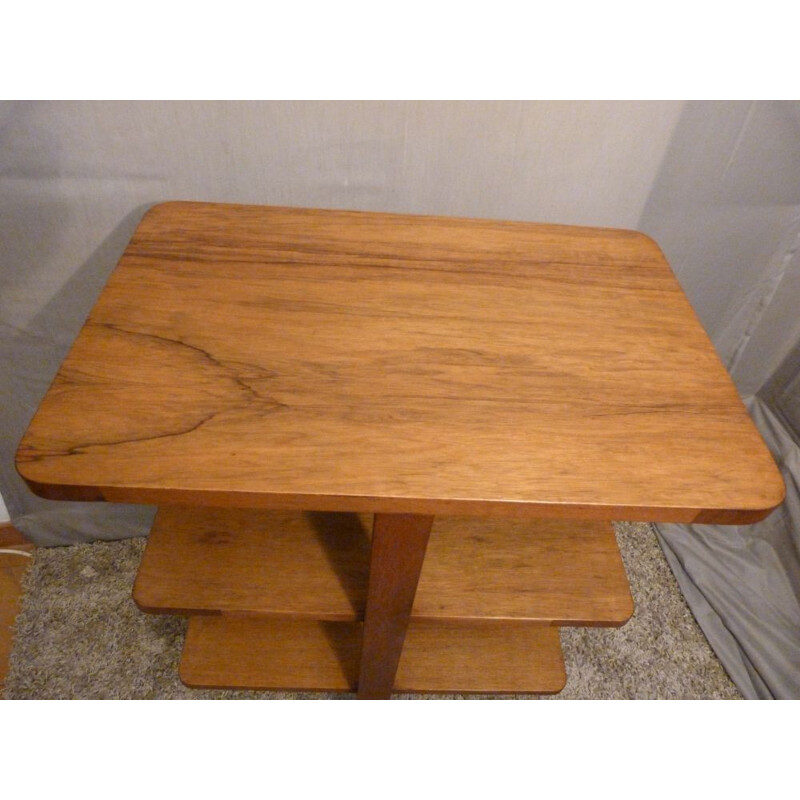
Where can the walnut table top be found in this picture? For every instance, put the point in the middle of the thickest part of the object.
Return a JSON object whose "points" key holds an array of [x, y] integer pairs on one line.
{"points": [[295, 358]]}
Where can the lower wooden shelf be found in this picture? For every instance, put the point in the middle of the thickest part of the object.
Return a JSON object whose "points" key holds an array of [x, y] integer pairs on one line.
{"points": [[438, 656], [256, 653]]}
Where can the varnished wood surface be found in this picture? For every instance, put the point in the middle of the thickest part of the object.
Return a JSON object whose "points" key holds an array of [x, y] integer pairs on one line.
{"points": [[290, 358], [258, 653], [296, 564], [315, 566], [398, 549], [559, 572], [481, 657]]}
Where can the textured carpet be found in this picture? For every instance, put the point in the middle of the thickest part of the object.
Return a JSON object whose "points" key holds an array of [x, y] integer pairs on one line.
{"points": [[80, 636]]}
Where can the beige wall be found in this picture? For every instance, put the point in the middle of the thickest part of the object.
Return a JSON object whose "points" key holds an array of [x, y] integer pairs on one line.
{"points": [[74, 171], [725, 208]]}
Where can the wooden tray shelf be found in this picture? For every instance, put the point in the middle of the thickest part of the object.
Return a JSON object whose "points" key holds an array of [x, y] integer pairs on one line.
{"points": [[303, 565], [259, 653]]}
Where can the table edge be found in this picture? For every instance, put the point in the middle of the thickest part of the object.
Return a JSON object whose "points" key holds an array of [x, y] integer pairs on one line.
{"points": [[406, 505]]}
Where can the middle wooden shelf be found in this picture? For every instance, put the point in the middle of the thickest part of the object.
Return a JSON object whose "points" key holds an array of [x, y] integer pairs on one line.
{"points": [[315, 565]]}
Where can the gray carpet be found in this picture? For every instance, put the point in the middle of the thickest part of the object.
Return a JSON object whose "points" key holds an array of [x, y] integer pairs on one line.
{"points": [[80, 636]]}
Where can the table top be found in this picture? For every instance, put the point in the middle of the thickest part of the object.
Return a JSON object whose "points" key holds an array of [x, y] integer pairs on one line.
{"points": [[296, 358]]}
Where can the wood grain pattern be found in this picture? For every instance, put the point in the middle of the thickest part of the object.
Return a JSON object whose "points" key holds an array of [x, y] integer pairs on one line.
{"points": [[398, 549], [315, 566], [257, 653], [294, 358], [549, 571], [481, 657], [290, 564]]}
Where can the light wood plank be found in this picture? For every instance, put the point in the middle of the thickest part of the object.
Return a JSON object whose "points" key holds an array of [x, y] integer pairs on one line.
{"points": [[270, 357], [481, 657], [299, 564], [316, 565], [551, 571], [258, 653]]}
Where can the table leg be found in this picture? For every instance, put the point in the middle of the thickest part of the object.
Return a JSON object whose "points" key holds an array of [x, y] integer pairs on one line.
{"points": [[398, 550]]}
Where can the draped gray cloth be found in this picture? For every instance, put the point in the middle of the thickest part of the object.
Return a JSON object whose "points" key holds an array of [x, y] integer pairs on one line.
{"points": [[731, 180], [716, 184], [743, 583]]}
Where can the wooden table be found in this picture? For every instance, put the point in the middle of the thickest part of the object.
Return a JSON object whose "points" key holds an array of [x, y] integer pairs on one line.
{"points": [[317, 399]]}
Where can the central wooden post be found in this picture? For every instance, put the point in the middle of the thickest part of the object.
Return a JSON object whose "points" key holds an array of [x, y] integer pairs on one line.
{"points": [[398, 550]]}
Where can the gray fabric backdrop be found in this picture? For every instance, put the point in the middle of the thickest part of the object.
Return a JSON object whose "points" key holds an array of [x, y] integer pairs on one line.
{"points": [[716, 184]]}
